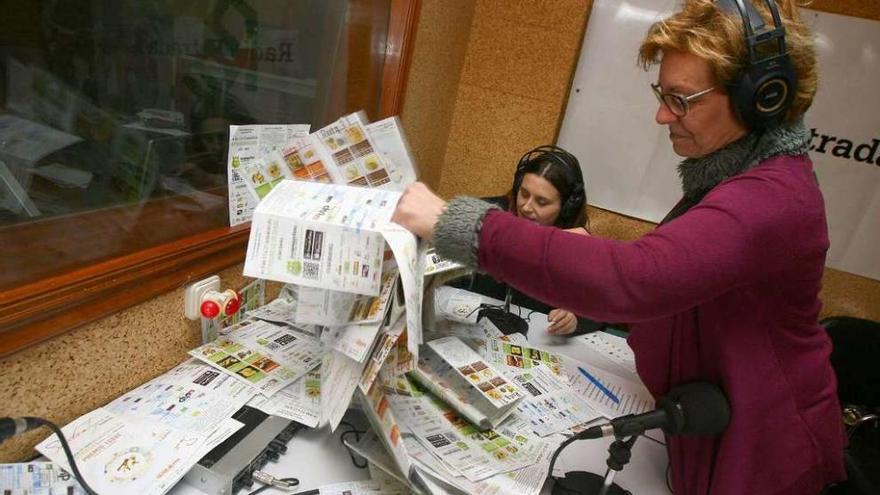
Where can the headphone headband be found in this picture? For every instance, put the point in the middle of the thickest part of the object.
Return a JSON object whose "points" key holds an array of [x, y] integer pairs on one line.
{"points": [[764, 91], [569, 208]]}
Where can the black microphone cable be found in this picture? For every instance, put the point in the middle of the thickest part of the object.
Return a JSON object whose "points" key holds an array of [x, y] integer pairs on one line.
{"points": [[12, 426]]}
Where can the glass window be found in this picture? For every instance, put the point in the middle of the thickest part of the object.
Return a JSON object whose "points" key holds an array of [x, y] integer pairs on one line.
{"points": [[114, 113]]}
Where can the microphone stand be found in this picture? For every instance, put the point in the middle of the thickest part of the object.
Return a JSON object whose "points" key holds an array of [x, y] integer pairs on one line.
{"points": [[584, 483]]}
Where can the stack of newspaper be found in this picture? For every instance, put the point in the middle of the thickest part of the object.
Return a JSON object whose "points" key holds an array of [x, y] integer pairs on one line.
{"points": [[363, 320]]}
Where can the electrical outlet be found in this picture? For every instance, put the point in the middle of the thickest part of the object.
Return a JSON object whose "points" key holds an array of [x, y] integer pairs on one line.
{"points": [[192, 296]]}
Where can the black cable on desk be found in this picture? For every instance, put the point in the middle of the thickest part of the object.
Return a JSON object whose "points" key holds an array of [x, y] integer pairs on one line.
{"points": [[357, 433], [13, 426]]}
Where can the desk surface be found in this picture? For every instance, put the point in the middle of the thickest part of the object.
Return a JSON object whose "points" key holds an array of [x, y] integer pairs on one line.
{"points": [[318, 458]]}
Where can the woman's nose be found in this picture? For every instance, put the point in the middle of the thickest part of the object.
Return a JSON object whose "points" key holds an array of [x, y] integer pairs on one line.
{"points": [[664, 115]]}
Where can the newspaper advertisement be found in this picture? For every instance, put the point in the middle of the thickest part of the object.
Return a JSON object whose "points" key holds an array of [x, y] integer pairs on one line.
{"points": [[300, 401], [370, 487], [305, 163], [321, 235], [263, 355], [340, 376], [192, 396], [609, 394], [474, 454], [37, 478], [356, 339], [526, 481], [377, 409], [282, 311], [409, 253], [521, 356], [552, 406], [248, 145], [388, 338], [348, 146], [387, 135], [116, 455], [492, 384]]}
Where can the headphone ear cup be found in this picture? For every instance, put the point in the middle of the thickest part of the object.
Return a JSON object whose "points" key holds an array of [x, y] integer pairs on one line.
{"points": [[762, 98], [572, 204]]}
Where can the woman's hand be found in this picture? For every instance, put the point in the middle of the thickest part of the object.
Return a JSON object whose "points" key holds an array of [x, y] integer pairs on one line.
{"points": [[562, 322], [418, 210]]}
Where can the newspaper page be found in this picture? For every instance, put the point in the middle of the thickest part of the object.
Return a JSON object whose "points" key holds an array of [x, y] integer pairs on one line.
{"points": [[370, 487], [381, 351], [377, 409], [457, 305], [526, 481], [552, 406], [409, 253], [248, 145], [387, 134], [521, 356], [192, 396], [300, 401], [282, 311], [265, 356], [371, 448], [470, 366], [323, 307], [116, 455], [321, 235], [305, 163], [340, 376], [346, 145], [628, 397], [436, 375], [356, 339], [37, 478], [474, 454]]}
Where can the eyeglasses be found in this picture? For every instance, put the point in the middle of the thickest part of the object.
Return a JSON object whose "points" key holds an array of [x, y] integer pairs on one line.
{"points": [[677, 104]]}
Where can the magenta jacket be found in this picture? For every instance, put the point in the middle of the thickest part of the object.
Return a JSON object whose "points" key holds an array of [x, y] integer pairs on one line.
{"points": [[727, 293]]}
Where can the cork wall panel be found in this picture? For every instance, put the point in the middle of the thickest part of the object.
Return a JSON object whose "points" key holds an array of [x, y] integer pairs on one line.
{"points": [[869, 9], [514, 84], [438, 55], [81, 370], [481, 158]]}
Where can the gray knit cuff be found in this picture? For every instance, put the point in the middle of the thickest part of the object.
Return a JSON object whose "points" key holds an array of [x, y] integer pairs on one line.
{"points": [[457, 234]]}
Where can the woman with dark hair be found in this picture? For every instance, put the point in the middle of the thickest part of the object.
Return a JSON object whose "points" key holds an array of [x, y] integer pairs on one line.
{"points": [[548, 189]]}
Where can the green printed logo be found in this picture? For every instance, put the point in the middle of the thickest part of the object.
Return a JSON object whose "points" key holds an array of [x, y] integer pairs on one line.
{"points": [[295, 267]]}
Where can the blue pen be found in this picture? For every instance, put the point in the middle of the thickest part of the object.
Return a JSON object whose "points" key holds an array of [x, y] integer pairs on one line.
{"points": [[599, 385]]}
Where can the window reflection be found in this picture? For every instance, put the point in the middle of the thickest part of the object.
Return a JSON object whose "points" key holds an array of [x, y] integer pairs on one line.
{"points": [[109, 105]]}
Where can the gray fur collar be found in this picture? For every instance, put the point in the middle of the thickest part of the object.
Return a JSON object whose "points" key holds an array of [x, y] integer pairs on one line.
{"points": [[699, 175]]}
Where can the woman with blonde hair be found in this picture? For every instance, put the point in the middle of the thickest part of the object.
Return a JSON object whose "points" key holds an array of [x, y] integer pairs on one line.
{"points": [[726, 288]]}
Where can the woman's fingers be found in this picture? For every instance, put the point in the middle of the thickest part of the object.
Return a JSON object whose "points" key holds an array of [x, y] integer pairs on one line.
{"points": [[418, 210]]}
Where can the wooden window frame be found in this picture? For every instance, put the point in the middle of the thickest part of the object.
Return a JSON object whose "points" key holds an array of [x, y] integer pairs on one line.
{"points": [[37, 311]]}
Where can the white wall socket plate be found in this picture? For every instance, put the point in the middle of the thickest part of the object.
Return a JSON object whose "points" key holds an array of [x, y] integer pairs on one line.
{"points": [[192, 295]]}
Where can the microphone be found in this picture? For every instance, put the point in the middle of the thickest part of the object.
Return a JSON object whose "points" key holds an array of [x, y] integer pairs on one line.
{"points": [[694, 408], [9, 427]]}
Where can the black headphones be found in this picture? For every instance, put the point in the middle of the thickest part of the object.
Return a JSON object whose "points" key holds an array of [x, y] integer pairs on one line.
{"points": [[764, 90], [570, 208]]}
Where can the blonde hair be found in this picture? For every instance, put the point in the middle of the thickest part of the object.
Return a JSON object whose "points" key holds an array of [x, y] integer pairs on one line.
{"points": [[715, 35]]}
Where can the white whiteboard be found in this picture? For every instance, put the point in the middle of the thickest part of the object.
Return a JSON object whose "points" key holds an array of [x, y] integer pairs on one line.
{"points": [[628, 161]]}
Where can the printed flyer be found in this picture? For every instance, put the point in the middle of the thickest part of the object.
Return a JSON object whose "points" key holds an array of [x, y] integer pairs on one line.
{"points": [[247, 171], [265, 356], [300, 401], [321, 235], [479, 373]]}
